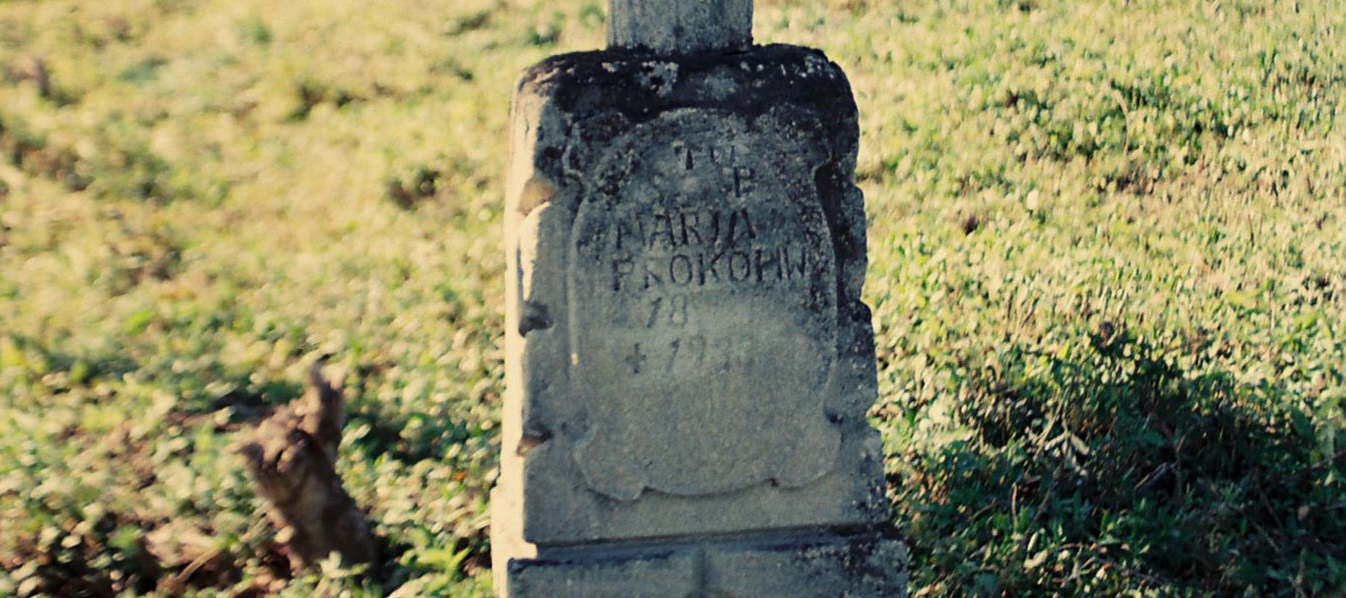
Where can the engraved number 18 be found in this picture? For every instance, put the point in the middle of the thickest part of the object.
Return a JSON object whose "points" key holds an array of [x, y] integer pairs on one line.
{"points": [[672, 312]]}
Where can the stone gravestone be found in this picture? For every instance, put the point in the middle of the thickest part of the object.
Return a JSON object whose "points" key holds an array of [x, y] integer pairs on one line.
{"points": [[688, 360]]}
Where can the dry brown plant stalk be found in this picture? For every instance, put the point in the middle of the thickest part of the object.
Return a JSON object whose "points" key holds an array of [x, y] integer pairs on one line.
{"points": [[291, 456]]}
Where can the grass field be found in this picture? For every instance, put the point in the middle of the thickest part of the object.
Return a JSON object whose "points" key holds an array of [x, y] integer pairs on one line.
{"points": [[1108, 273]]}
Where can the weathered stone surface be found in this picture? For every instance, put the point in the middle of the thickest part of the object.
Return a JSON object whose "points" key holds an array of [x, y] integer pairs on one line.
{"points": [[687, 352], [809, 565], [702, 298], [817, 565], [627, 573], [680, 26]]}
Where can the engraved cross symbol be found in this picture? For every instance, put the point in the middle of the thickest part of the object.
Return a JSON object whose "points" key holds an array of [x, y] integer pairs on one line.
{"points": [[635, 359]]}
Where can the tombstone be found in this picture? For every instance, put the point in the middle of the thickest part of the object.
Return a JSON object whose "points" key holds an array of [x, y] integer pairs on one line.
{"points": [[688, 359]]}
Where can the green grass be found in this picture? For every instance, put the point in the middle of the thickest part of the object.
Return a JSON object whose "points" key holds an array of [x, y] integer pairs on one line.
{"points": [[1108, 273]]}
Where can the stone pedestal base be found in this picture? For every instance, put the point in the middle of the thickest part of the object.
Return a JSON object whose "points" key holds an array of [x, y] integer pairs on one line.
{"points": [[800, 564]]}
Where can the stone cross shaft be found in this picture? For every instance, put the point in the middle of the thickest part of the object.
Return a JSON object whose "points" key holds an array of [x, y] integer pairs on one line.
{"points": [[680, 26]]}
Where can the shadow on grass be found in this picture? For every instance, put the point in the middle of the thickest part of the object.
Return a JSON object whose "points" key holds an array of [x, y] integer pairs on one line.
{"points": [[1120, 469]]}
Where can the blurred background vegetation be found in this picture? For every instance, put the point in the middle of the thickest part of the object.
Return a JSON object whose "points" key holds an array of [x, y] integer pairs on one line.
{"points": [[1108, 273]]}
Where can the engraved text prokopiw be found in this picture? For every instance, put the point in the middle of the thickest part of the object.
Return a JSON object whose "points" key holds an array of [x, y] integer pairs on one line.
{"points": [[702, 311]]}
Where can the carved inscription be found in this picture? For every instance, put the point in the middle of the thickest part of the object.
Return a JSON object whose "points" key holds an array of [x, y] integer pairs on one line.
{"points": [[699, 248], [695, 354], [703, 310]]}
